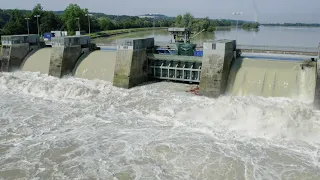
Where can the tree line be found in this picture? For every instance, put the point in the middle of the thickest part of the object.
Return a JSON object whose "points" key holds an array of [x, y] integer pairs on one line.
{"points": [[15, 21], [294, 24], [199, 24]]}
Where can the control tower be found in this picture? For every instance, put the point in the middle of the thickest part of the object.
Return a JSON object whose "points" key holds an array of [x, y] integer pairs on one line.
{"points": [[180, 35]]}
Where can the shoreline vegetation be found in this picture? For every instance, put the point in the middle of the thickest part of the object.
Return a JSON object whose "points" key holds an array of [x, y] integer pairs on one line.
{"points": [[292, 24], [109, 33], [207, 24], [73, 18]]}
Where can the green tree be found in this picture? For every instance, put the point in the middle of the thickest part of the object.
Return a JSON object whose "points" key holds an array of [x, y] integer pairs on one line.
{"points": [[37, 10], [178, 21], [1, 23], [16, 24], [94, 24], [211, 28], [106, 24], [251, 25], [147, 24], [48, 20], [200, 24], [205, 23], [187, 20], [196, 25], [70, 15]]}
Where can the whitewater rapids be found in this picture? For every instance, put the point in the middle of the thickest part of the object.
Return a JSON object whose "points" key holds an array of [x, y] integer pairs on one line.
{"points": [[72, 128]]}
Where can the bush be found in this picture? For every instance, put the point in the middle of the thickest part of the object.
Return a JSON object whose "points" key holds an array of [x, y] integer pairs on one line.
{"points": [[211, 28]]}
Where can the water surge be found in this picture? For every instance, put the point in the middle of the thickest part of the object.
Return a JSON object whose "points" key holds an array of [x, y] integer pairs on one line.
{"points": [[79, 129]]}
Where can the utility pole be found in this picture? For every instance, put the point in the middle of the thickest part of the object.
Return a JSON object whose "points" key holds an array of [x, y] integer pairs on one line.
{"points": [[89, 22], [237, 14], [28, 24], [37, 16], [78, 23], [154, 25]]}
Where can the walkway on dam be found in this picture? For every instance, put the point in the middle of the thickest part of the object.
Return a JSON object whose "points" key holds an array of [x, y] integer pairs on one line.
{"points": [[313, 51]]}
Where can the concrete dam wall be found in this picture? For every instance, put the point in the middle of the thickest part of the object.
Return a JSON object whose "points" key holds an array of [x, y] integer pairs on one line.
{"points": [[38, 61], [220, 71], [90, 65], [273, 78], [96, 65]]}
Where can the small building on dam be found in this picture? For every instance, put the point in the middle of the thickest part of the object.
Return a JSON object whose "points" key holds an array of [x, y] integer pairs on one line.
{"points": [[221, 68]]}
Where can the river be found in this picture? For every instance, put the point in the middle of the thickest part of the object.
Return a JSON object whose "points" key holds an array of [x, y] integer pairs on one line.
{"points": [[79, 129], [72, 128], [274, 36]]}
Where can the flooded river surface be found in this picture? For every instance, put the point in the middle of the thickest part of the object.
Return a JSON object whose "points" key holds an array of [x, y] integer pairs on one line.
{"points": [[272, 36], [72, 128]]}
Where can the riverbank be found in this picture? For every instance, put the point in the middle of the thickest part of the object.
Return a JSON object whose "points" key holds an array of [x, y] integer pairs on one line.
{"points": [[293, 25], [121, 31], [228, 28]]}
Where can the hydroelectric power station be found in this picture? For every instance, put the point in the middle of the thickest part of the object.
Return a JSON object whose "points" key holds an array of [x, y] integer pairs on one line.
{"points": [[218, 66]]}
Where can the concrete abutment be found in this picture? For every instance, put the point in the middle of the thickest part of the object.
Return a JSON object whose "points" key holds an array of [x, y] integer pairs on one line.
{"points": [[65, 53], [131, 67], [15, 49], [317, 90], [216, 63]]}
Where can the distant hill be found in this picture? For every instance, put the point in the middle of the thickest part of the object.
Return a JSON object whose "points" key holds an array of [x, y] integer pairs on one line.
{"points": [[118, 17], [154, 15]]}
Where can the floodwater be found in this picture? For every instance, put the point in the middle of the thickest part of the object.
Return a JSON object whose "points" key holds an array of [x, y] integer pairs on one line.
{"points": [[274, 36], [72, 128], [272, 78]]}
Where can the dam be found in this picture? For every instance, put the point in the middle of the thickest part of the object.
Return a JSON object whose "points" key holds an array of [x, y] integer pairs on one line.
{"points": [[221, 68], [59, 126]]}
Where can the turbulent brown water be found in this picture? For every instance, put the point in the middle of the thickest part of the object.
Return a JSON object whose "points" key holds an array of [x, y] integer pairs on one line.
{"points": [[79, 129]]}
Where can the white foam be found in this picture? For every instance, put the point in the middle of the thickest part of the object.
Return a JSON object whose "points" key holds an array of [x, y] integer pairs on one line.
{"points": [[73, 128]]}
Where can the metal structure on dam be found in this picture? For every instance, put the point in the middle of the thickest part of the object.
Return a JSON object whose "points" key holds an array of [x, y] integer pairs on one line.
{"points": [[220, 67]]}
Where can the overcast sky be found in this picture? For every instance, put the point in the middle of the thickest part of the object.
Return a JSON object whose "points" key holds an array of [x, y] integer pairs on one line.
{"points": [[264, 10]]}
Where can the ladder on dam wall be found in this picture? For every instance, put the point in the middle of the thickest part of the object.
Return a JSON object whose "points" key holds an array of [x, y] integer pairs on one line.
{"points": [[175, 68]]}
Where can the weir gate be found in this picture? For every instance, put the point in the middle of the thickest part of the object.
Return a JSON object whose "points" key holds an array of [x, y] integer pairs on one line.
{"points": [[221, 69], [176, 68]]}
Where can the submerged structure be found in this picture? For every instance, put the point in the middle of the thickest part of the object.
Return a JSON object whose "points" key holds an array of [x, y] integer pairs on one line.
{"points": [[218, 67]]}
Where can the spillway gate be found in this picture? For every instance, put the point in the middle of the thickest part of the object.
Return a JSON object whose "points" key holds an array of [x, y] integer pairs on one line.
{"points": [[175, 68]]}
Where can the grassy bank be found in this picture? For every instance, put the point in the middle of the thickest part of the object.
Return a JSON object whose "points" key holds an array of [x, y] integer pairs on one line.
{"points": [[121, 31]]}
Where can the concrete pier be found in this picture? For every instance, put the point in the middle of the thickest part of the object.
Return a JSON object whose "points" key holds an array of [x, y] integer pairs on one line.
{"points": [[65, 53], [15, 48], [131, 67], [316, 101], [217, 59]]}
